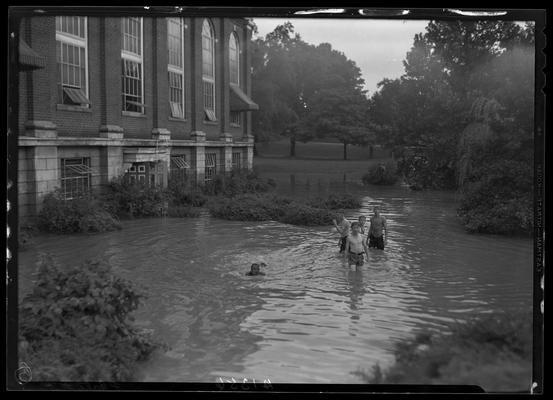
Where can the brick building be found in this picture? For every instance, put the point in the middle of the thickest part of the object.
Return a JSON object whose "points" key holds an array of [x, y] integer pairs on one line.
{"points": [[143, 97]]}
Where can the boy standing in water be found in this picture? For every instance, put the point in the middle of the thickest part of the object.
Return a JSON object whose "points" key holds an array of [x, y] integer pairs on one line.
{"points": [[377, 231], [356, 246], [362, 224], [342, 226]]}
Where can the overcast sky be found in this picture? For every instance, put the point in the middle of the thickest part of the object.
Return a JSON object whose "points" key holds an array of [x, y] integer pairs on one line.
{"points": [[378, 47]]}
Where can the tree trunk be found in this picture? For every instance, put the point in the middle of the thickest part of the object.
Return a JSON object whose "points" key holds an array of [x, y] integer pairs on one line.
{"points": [[345, 151], [292, 146], [254, 149]]}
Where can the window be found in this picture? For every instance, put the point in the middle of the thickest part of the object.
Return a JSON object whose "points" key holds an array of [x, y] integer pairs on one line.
{"points": [[178, 168], [75, 177], [234, 59], [236, 161], [235, 117], [175, 41], [208, 70], [210, 166], [72, 60], [132, 73], [145, 173]]}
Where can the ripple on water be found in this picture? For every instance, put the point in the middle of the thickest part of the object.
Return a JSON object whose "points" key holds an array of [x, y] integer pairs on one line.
{"points": [[309, 319]]}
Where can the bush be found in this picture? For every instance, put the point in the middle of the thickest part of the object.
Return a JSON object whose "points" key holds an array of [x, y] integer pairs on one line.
{"points": [[263, 208], [494, 352], [336, 202], [499, 199], [77, 215], [237, 183], [246, 208], [180, 194], [430, 167], [300, 214], [381, 174], [75, 325], [126, 199], [25, 234], [182, 211]]}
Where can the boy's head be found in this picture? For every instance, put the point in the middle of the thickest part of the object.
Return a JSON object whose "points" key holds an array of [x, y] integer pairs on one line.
{"points": [[254, 269], [362, 219], [339, 217], [377, 211], [355, 227]]}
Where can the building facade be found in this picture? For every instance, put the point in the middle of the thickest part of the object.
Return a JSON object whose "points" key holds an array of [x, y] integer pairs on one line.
{"points": [[146, 98]]}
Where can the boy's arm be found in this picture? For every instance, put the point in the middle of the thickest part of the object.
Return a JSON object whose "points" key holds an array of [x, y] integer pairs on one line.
{"points": [[366, 247], [347, 246]]}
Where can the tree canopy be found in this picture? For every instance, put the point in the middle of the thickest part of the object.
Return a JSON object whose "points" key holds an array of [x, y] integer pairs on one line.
{"points": [[306, 91]]}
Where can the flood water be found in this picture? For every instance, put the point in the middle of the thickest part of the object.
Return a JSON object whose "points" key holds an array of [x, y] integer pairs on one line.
{"points": [[309, 319]]}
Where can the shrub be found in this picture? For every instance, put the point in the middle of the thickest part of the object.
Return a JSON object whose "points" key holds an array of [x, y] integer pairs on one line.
{"points": [[381, 174], [77, 215], [75, 324], [237, 183], [499, 199], [180, 194], [300, 214], [182, 211], [126, 199], [263, 208], [245, 208], [25, 233], [431, 167], [336, 202], [494, 352]]}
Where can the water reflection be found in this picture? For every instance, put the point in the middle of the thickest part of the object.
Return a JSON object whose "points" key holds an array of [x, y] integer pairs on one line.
{"points": [[310, 318]]}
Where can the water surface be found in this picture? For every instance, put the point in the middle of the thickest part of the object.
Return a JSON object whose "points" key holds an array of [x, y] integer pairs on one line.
{"points": [[309, 319]]}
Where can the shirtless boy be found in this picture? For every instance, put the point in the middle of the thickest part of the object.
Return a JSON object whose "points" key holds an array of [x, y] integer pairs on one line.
{"points": [[356, 246], [342, 226], [377, 231]]}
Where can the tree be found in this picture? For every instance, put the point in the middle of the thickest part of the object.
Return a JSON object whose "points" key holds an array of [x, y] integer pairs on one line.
{"points": [[281, 80], [306, 91], [338, 106]]}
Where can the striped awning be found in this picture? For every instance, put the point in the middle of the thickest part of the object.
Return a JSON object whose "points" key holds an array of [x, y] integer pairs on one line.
{"points": [[28, 58], [240, 101], [179, 162], [80, 169], [77, 96]]}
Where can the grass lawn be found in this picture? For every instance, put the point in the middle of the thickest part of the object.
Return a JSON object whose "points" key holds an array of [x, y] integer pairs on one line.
{"points": [[318, 150], [333, 170]]}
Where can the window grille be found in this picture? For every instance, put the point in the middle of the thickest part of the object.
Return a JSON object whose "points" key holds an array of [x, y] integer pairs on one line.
{"points": [[132, 82], [235, 117], [176, 94], [210, 166], [75, 26], [208, 70], [71, 57], [234, 59], [175, 42], [236, 161], [209, 100], [132, 86], [145, 173], [75, 177], [132, 35]]}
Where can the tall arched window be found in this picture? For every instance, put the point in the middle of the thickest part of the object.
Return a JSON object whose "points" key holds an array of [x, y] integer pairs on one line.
{"points": [[175, 66], [208, 70], [234, 69], [234, 59]]}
